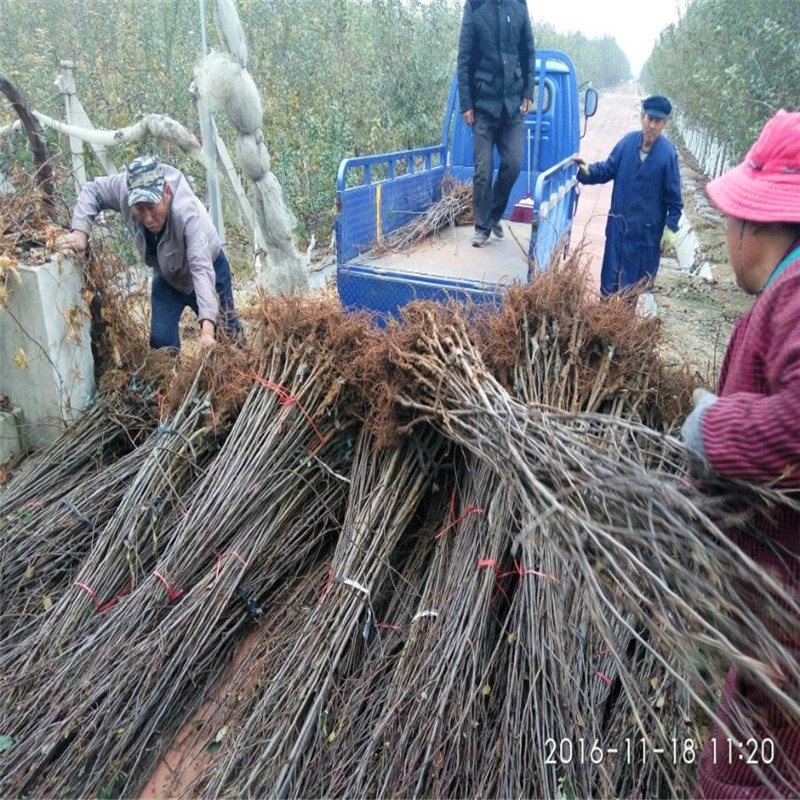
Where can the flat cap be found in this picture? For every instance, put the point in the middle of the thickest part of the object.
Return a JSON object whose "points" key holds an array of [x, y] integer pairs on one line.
{"points": [[657, 106]]}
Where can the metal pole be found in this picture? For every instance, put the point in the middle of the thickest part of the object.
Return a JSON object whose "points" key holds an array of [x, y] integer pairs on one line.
{"points": [[207, 128]]}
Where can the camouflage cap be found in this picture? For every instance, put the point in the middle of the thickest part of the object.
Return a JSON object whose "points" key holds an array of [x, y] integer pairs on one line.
{"points": [[145, 180]]}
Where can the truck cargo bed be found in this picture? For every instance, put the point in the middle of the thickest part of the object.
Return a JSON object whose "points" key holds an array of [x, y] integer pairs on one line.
{"points": [[450, 255], [442, 266]]}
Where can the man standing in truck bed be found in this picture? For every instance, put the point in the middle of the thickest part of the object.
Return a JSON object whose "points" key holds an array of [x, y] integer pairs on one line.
{"points": [[495, 89]]}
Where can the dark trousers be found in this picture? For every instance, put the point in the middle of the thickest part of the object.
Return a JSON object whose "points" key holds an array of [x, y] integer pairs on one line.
{"points": [[489, 202], [168, 304]]}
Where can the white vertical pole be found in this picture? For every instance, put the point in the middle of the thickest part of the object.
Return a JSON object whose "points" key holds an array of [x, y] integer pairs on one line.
{"points": [[76, 115], [207, 128], [66, 85]]}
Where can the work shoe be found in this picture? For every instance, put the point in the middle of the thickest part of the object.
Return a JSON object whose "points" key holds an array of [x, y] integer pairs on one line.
{"points": [[480, 238], [497, 230]]}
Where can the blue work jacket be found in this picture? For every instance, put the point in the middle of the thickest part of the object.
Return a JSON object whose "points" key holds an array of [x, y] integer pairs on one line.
{"points": [[646, 197]]}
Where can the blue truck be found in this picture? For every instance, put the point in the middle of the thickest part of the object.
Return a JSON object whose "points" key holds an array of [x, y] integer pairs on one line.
{"points": [[378, 194]]}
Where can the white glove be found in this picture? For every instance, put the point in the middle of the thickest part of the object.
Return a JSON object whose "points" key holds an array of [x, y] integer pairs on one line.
{"points": [[692, 428]]}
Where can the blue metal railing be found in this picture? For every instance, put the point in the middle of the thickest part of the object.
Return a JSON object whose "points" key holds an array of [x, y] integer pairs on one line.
{"points": [[374, 206], [554, 204], [390, 160]]}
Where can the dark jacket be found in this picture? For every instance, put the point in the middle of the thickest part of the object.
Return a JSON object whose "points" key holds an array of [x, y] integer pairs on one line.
{"points": [[646, 198], [495, 56]]}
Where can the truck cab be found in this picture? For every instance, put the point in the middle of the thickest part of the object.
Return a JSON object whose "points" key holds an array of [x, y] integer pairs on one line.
{"points": [[378, 194]]}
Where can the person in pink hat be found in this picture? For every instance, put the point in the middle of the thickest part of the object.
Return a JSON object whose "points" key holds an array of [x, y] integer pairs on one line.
{"points": [[750, 430]]}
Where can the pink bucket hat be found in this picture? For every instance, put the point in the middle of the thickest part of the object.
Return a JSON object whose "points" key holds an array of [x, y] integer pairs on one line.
{"points": [[765, 187]]}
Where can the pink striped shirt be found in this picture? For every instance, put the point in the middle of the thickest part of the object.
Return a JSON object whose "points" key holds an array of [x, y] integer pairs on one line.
{"points": [[752, 432]]}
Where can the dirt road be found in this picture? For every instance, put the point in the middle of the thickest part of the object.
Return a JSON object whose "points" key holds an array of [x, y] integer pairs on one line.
{"points": [[617, 113]]}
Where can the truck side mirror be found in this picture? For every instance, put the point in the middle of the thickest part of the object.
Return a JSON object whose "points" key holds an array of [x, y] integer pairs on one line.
{"points": [[590, 102], [589, 107]]}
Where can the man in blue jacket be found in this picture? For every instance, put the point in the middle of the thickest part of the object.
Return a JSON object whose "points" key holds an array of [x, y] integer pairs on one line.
{"points": [[495, 90], [646, 202]]}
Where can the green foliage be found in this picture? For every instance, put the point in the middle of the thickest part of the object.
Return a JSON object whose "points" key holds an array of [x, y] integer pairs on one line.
{"points": [[343, 77], [729, 65], [600, 61], [337, 77]]}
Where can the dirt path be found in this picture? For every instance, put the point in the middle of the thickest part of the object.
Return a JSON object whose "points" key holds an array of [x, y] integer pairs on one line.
{"points": [[697, 314]]}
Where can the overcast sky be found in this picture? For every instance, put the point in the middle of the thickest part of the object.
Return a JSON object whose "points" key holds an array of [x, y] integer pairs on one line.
{"points": [[635, 24]]}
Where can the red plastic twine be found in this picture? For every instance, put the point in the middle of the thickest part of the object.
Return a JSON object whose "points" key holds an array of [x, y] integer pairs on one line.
{"points": [[498, 586], [455, 520], [101, 607], [172, 594], [286, 399], [518, 570], [604, 677]]}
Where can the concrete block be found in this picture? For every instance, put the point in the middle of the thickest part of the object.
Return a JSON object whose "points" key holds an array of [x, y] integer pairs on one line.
{"points": [[10, 438], [46, 364], [688, 252]]}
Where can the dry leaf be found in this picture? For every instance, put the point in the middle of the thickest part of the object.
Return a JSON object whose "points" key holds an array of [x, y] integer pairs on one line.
{"points": [[20, 359]]}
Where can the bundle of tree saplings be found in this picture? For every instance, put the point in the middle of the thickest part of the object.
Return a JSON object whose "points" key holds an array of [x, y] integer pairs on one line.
{"points": [[398, 723], [353, 721], [42, 549], [429, 698], [144, 494], [228, 731], [107, 430], [454, 207], [469, 552], [386, 490], [281, 471], [551, 344], [60, 499], [648, 547]]}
